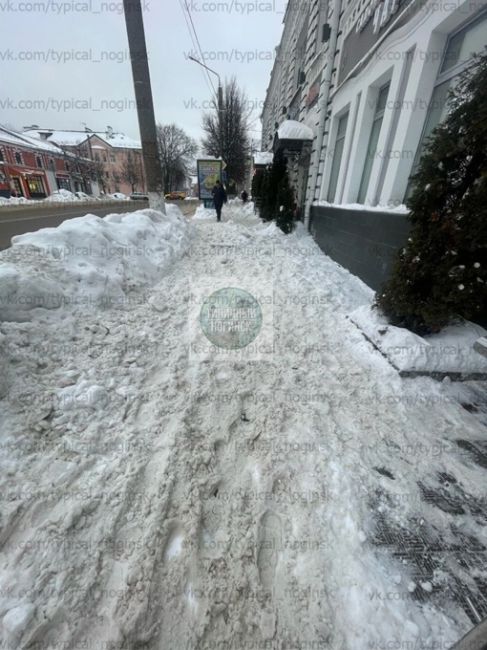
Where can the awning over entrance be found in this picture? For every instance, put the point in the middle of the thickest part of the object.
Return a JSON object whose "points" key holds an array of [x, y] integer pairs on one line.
{"points": [[291, 136]]}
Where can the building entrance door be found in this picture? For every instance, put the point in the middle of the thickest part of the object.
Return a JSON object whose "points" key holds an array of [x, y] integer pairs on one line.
{"points": [[17, 186]]}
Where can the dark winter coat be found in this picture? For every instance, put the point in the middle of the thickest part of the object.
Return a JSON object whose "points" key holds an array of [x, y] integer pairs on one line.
{"points": [[219, 196]]}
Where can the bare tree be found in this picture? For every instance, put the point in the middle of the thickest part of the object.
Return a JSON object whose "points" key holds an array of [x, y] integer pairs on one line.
{"points": [[177, 151], [98, 169], [130, 172], [226, 131]]}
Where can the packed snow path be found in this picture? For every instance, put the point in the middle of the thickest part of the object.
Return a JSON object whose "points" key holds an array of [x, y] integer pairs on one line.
{"points": [[160, 497]]}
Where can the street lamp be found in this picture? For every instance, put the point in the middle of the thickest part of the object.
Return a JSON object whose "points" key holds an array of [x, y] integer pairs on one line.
{"points": [[220, 92], [220, 103]]}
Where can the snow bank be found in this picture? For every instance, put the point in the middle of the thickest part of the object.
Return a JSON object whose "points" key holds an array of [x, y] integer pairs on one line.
{"points": [[204, 213], [14, 200], [233, 209], [61, 196], [450, 351], [237, 208], [89, 261]]}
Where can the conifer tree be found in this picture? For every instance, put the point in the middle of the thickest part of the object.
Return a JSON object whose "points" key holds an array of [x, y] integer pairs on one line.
{"points": [[277, 195], [442, 272], [285, 206]]}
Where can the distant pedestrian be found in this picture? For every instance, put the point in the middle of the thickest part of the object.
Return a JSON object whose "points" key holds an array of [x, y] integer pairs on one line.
{"points": [[219, 198], [244, 196]]}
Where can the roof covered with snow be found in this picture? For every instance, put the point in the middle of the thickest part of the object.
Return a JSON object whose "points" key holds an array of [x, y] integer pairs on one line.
{"points": [[24, 140], [120, 140], [75, 138], [62, 138], [263, 158], [293, 130]]}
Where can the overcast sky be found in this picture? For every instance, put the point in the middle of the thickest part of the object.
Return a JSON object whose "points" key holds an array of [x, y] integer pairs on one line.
{"points": [[63, 64]]}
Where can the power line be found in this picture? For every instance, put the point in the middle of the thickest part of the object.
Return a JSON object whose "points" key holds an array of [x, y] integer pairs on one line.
{"points": [[205, 76], [195, 40], [198, 41]]}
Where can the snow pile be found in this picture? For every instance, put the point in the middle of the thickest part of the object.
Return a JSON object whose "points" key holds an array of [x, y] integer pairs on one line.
{"points": [[233, 209], [14, 200], [448, 352], [203, 213], [263, 158], [293, 130], [236, 208], [61, 196], [161, 496], [89, 261]]}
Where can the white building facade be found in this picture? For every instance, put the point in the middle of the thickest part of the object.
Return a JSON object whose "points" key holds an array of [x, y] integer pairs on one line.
{"points": [[396, 63], [297, 80], [382, 69]]}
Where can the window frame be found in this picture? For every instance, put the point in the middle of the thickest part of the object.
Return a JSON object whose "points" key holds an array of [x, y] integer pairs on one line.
{"points": [[441, 78], [336, 162], [377, 121]]}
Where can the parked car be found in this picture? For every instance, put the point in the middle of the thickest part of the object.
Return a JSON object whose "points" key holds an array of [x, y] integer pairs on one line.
{"points": [[175, 196], [139, 196]]}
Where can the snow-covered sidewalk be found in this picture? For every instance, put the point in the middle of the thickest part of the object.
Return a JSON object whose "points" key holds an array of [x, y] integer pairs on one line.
{"points": [[163, 494]]}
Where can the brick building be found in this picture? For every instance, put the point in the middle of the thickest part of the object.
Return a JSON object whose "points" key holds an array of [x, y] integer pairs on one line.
{"points": [[35, 169], [117, 158]]}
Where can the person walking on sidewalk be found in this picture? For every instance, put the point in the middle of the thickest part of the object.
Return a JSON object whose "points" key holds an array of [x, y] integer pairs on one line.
{"points": [[219, 198]]}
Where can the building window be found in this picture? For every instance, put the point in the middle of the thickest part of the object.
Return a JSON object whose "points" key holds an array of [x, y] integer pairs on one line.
{"points": [[2, 157], [380, 108], [52, 164], [458, 57], [464, 44], [337, 156], [112, 157], [322, 27], [299, 76], [66, 166], [36, 187], [63, 184], [39, 162], [18, 158]]}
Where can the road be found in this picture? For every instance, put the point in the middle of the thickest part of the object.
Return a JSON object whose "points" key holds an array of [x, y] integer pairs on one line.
{"points": [[29, 218]]}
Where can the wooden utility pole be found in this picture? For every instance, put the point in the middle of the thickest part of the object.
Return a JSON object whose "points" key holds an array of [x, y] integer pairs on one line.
{"points": [[145, 106]]}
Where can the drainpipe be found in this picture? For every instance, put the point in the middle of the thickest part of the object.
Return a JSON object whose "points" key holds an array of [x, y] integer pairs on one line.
{"points": [[326, 82]]}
